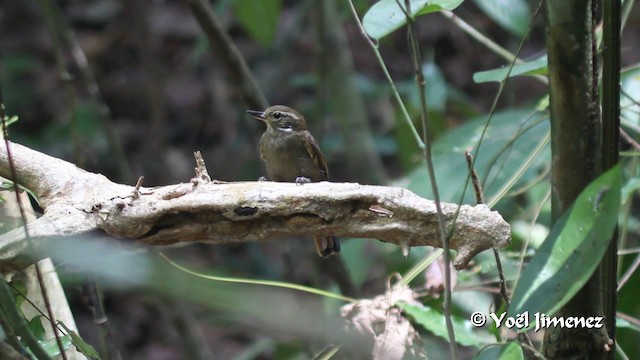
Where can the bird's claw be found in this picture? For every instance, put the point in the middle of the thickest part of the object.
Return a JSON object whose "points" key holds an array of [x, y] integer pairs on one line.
{"points": [[300, 180]]}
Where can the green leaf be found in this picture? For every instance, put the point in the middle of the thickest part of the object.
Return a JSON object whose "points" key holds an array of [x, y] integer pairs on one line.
{"points": [[259, 18], [512, 15], [534, 67], [509, 141], [572, 251], [81, 345], [384, 17], [435, 323], [36, 328], [51, 346], [9, 186], [18, 287]]}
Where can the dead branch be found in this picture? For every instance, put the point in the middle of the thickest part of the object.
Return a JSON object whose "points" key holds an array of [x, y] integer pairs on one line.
{"points": [[76, 202]]}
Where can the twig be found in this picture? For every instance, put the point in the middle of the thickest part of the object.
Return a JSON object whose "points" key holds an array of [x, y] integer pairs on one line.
{"points": [[89, 79], [416, 56], [100, 319], [487, 42], [627, 274], [37, 350], [201, 169], [394, 90], [222, 43], [65, 76], [629, 139], [477, 188]]}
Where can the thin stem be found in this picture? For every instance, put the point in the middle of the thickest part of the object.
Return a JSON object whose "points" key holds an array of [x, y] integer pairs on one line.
{"points": [[426, 137], [520, 171], [487, 42], [221, 42], [394, 90], [64, 75], [37, 350], [90, 82], [281, 284]]}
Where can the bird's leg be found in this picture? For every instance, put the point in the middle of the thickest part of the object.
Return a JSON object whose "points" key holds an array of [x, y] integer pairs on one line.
{"points": [[300, 180]]}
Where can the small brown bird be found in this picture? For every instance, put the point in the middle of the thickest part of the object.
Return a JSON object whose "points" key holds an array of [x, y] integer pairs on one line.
{"points": [[291, 154]]}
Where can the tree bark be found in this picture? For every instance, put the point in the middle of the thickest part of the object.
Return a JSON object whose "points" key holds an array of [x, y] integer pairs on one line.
{"points": [[576, 145], [77, 202]]}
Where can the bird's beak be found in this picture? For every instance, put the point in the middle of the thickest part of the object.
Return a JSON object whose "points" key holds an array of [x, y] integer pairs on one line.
{"points": [[257, 114]]}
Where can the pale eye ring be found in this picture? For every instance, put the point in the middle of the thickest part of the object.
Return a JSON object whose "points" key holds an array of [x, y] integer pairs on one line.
{"points": [[277, 115]]}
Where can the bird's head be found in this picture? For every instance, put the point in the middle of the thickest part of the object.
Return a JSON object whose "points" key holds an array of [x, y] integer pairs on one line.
{"points": [[280, 118]]}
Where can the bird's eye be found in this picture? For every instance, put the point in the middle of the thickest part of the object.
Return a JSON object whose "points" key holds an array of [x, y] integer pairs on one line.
{"points": [[277, 115]]}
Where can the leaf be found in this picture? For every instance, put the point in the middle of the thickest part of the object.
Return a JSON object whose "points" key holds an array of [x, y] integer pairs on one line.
{"points": [[512, 15], [435, 323], [509, 141], [259, 18], [384, 17], [81, 345], [534, 67], [18, 287], [51, 346], [36, 328], [572, 251]]}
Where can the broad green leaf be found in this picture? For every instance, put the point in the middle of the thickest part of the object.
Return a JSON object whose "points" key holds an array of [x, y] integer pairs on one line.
{"points": [[510, 139], [534, 67], [260, 18], [508, 351], [437, 90], [572, 251], [433, 321], [36, 328], [512, 15], [384, 17]]}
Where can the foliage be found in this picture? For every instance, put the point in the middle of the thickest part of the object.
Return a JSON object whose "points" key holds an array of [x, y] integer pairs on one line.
{"points": [[573, 249], [282, 42]]}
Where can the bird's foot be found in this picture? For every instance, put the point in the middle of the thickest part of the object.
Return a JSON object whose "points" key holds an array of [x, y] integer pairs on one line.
{"points": [[300, 180]]}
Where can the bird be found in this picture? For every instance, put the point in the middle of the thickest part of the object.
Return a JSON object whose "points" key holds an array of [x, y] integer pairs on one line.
{"points": [[292, 154]]}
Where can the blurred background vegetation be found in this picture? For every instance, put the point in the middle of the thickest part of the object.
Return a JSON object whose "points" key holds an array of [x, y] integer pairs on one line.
{"points": [[153, 91]]}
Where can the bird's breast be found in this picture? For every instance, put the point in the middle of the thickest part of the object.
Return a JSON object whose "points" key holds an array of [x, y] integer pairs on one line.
{"points": [[286, 158]]}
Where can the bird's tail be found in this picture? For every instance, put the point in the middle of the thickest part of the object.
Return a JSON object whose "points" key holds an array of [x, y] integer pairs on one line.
{"points": [[327, 245]]}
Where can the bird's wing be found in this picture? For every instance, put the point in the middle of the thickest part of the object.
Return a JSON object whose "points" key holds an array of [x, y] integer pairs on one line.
{"points": [[316, 155]]}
